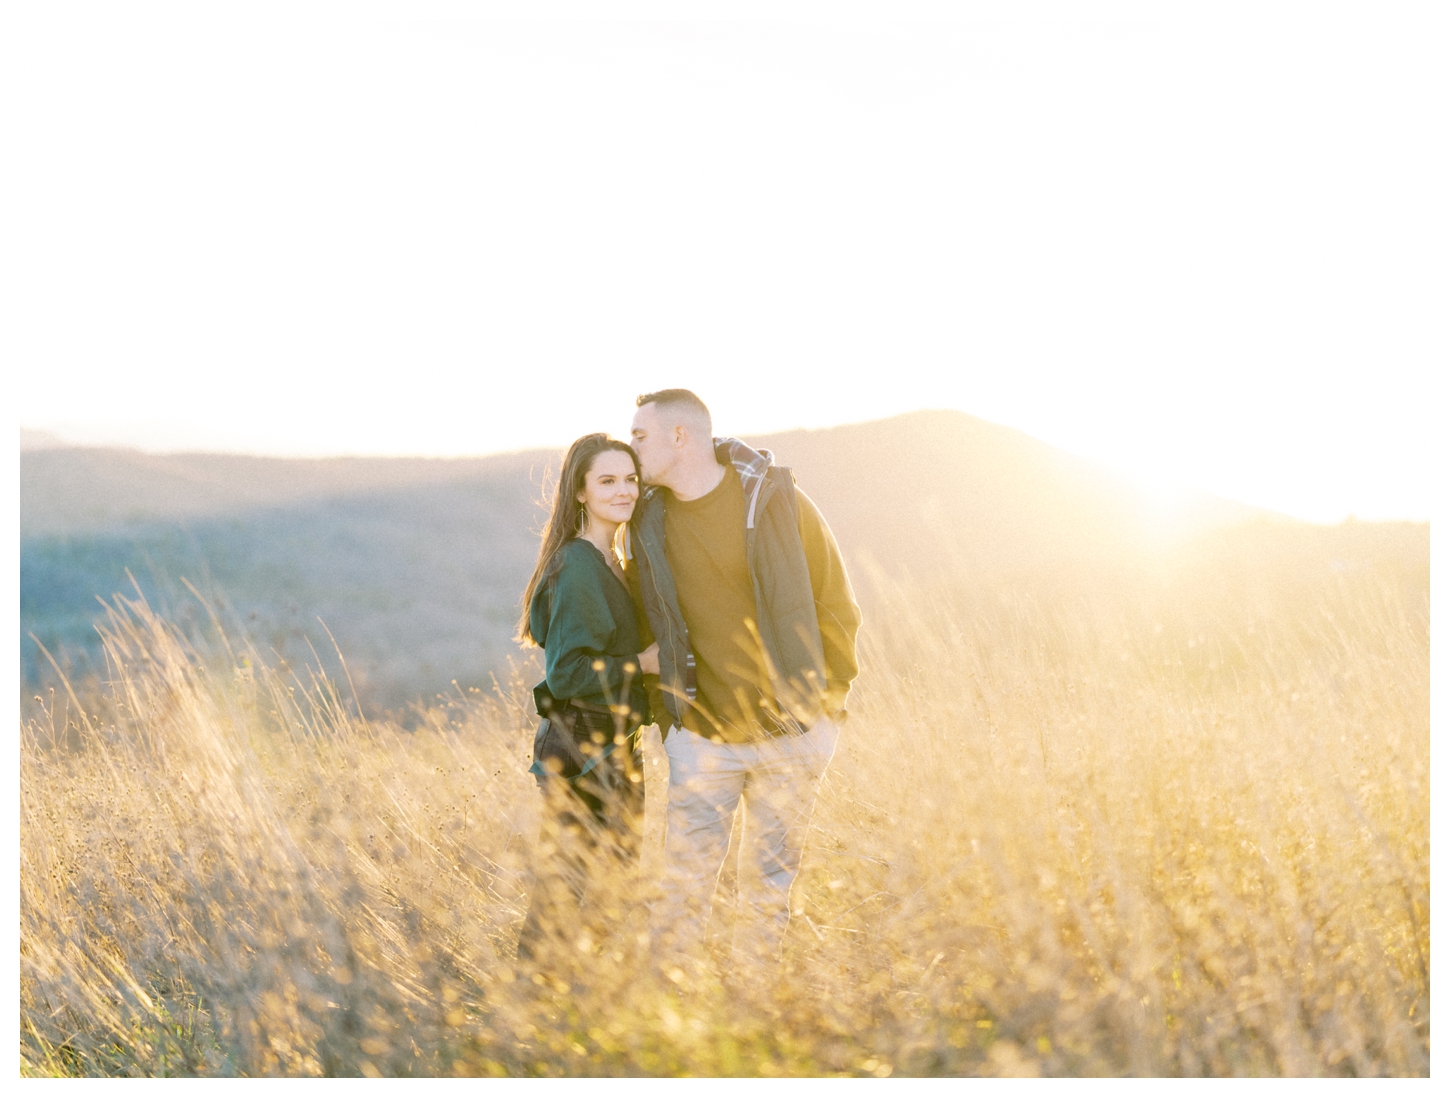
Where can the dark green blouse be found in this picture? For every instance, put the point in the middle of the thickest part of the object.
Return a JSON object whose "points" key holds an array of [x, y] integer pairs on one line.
{"points": [[583, 614]]}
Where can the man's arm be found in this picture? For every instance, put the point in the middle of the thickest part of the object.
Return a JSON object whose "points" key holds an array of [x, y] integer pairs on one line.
{"points": [[658, 713], [631, 580], [836, 611]]}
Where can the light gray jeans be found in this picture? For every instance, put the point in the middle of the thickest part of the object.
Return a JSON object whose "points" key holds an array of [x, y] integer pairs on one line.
{"points": [[778, 778]]}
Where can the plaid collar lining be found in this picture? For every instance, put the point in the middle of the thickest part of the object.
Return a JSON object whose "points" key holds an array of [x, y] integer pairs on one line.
{"points": [[751, 466]]}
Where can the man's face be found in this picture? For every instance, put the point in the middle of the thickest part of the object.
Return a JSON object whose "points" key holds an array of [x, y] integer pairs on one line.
{"points": [[653, 443]]}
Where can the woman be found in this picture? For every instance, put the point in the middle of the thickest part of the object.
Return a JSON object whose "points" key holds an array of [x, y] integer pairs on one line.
{"points": [[592, 700]]}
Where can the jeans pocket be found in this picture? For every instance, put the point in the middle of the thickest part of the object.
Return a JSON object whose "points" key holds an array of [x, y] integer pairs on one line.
{"points": [[555, 752], [691, 753], [822, 738]]}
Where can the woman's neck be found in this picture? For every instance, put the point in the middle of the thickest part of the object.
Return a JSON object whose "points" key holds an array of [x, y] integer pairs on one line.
{"points": [[601, 535]]}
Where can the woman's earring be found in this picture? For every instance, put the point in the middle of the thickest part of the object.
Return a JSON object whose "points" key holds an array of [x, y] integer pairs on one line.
{"points": [[583, 520]]}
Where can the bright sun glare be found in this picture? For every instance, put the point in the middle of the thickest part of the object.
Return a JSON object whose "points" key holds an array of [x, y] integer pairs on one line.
{"points": [[419, 237]]}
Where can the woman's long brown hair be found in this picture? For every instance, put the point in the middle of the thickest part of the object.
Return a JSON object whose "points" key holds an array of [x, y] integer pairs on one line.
{"points": [[564, 514]]}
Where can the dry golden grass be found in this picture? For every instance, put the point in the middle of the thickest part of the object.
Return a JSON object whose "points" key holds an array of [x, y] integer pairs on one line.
{"points": [[1146, 834]]}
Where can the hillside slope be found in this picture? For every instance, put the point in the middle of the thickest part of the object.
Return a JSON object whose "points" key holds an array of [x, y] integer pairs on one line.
{"points": [[78, 491], [416, 565], [942, 486]]}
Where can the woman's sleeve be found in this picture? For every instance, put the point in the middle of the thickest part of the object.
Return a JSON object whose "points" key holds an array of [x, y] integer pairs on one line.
{"points": [[581, 627]]}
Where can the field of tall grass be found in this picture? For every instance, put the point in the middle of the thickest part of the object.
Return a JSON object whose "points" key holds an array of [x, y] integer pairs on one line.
{"points": [[1155, 832]]}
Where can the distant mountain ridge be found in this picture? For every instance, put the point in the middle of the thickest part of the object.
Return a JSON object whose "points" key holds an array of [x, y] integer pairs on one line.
{"points": [[929, 473], [104, 489], [943, 484], [416, 565]]}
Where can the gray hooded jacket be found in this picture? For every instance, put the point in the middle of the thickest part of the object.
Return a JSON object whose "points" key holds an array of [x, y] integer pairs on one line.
{"points": [[786, 604]]}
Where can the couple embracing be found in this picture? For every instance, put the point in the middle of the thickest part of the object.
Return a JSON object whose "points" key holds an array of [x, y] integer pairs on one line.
{"points": [[685, 581]]}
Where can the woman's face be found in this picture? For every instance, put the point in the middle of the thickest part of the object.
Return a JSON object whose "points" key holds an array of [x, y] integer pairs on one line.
{"points": [[611, 487]]}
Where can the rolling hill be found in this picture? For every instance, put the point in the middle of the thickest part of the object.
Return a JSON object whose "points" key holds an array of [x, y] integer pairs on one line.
{"points": [[415, 565]]}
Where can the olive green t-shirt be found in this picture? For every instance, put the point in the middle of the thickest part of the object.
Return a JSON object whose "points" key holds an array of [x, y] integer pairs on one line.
{"points": [[705, 545]]}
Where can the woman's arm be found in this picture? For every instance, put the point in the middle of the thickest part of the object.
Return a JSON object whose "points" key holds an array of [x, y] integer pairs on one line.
{"points": [[649, 659], [581, 628]]}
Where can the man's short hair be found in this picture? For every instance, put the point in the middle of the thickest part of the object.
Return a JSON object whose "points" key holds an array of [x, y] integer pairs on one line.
{"points": [[681, 402]]}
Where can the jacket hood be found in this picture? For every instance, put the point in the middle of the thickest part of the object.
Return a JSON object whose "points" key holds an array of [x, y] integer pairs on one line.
{"points": [[751, 466]]}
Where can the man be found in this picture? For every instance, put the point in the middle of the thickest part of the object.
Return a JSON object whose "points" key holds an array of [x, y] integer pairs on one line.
{"points": [[745, 591]]}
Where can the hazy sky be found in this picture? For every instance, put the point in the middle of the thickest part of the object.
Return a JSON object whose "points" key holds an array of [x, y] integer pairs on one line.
{"points": [[1207, 251]]}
